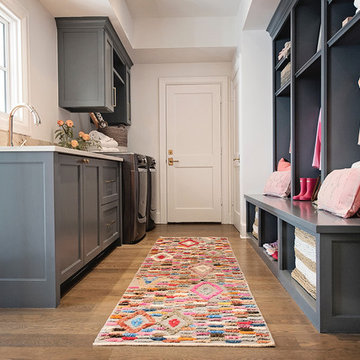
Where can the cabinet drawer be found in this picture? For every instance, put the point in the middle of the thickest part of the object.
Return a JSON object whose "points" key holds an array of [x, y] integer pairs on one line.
{"points": [[109, 231], [110, 183]]}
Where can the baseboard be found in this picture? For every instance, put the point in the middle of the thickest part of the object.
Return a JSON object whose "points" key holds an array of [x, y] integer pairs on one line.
{"points": [[243, 232]]}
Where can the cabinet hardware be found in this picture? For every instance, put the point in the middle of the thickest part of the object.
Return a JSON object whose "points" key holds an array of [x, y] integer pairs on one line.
{"points": [[171, 161], [85, 161], [236, 159], [111, 223], [109, 181], [114, 96]]}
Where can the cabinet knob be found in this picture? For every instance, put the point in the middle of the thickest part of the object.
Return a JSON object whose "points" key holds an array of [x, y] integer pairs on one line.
{"points": [[85, 161], [111, 223]]}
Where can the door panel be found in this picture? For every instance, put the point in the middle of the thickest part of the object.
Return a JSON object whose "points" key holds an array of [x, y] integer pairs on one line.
{"points": [[92, 245], [69, 217], [193, 136]]}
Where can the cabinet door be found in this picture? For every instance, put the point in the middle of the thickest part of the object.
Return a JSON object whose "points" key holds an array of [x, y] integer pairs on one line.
{"points": [[110, 90], [85, 69], [91, 209], [68, 213], [128, 97]]}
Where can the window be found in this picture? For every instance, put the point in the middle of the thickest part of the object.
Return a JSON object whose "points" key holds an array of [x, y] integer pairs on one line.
{"points": [[13, 63]]}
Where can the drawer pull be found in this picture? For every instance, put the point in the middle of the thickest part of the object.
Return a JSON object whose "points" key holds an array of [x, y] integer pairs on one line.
{"points": [[109, 181], [114, 96], [111, 223]]}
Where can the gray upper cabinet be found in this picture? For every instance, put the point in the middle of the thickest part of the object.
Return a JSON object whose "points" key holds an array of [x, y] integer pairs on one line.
{"points": [[91, 59]]}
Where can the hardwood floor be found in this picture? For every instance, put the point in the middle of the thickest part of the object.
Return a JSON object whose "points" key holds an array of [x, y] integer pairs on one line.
{"points": [[69, 331]]}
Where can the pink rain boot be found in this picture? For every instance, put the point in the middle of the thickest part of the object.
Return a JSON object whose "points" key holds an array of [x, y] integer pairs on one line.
{"points": [[310, 185], [302, 189]]}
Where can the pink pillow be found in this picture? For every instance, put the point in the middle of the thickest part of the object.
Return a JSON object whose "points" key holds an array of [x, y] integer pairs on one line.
{"points": [[340, 192], [283, 165], [278, 184]]}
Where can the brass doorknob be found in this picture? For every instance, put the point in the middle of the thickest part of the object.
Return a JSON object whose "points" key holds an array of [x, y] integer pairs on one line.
{"points": [[171, 161]]}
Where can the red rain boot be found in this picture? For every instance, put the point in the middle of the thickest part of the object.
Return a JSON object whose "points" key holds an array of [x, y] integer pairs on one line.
{"points": [[310, 185], [302, 189]]}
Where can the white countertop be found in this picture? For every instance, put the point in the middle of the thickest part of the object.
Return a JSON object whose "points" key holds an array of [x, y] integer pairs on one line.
{"points": [[60, 149]]}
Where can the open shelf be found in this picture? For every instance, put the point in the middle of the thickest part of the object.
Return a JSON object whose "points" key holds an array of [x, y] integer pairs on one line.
{"points": [[337, 12], [307, 31], [282, 63], [304, 300], [348, 34], [119, 77], [301, 296], [313, 65], [272, 265], [284, 90]]}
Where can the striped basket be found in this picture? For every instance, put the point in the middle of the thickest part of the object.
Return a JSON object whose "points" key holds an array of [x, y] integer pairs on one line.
{"points": [[305, 261], [255, 229]]}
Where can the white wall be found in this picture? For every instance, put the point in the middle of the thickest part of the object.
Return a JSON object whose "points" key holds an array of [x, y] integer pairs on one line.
{"points": [[144, 131], [183, 32], [255, 73], [43, 78]]}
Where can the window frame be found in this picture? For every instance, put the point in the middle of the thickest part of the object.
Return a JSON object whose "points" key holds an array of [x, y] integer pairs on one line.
{"points": [[5, 68], [17, 65]]}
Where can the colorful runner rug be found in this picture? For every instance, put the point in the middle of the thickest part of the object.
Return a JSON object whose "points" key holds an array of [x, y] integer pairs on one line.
{"points": [[189, 292]]}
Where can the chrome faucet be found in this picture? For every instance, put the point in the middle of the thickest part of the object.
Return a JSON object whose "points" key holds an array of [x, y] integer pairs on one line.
{"points": [[33, 112]]}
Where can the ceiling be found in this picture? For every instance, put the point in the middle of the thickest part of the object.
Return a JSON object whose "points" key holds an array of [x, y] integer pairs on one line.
{"points": [[159, 31], [182, 8]]}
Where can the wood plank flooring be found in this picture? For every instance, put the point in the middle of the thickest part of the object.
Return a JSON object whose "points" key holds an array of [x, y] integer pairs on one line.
{"points": [[69, 331]]}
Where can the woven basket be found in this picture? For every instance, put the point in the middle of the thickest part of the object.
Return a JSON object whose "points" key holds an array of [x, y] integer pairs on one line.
{"points": [[309, 266], [118, 133]]}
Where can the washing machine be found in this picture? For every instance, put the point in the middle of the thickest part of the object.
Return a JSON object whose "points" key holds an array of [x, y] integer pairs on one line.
{"points": [[151, 194]]}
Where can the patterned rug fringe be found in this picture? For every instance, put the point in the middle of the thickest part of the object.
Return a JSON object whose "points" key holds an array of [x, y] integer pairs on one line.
{"points": [[189, 291]]}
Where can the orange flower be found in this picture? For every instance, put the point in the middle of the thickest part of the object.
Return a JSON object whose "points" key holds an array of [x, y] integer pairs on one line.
{"points": [[69, 123], [74, 143], [81, 133], [86, 137], [60, 123]]}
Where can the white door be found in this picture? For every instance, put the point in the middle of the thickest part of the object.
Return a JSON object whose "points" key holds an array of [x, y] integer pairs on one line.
{"points": [[236, 155], [194, 143]]}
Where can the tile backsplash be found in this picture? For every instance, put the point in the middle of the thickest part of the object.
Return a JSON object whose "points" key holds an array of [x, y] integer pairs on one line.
{"points": [[19, 139]]}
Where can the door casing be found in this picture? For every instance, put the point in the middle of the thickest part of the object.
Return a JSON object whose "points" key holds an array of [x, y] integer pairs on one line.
{"points": [[226, 162]]}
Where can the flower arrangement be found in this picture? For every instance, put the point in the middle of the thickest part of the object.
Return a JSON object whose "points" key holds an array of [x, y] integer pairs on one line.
{"points": [[65, 135]]}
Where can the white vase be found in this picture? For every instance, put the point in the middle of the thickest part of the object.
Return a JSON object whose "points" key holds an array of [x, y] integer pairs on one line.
{"points": [[357, 5]]}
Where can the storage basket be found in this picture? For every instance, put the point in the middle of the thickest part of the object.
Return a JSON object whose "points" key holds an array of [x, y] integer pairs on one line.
{"points": [[285, 74], [255, 228], [305, 261], [118, 133]]}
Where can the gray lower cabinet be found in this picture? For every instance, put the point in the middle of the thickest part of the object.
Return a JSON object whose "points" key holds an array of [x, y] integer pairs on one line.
{"points": [[59, 212]]}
